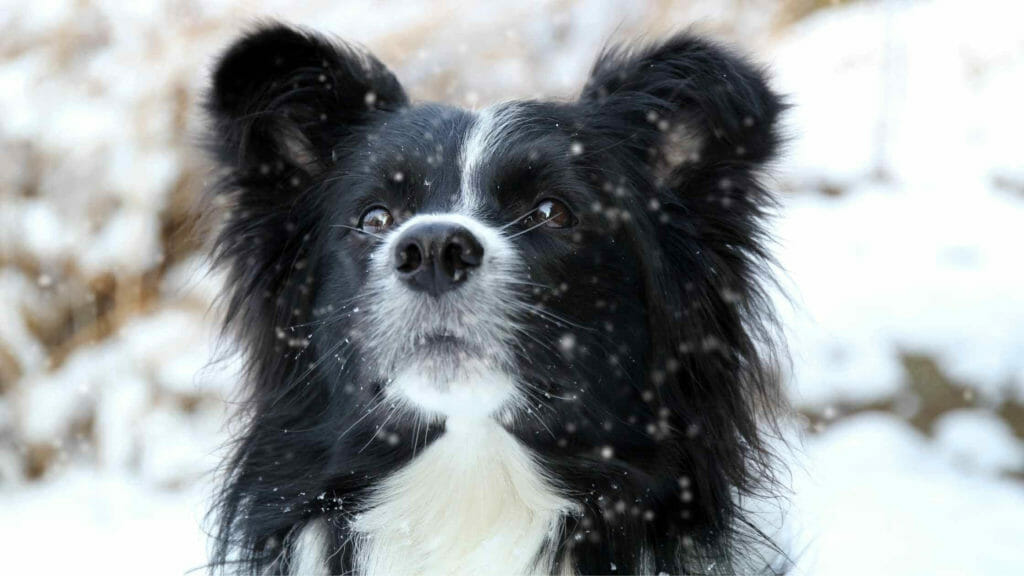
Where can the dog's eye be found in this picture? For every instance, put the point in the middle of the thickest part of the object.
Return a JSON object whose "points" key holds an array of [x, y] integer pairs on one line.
{"points": [[376, 220], [552, 213]]}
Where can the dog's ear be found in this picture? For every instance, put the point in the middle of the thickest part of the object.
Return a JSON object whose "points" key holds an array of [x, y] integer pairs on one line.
{"points": [[283, 106], [684, 104], [689, 124], [282, 100]]}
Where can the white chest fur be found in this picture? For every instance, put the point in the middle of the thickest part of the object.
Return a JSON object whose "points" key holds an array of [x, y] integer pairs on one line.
{"points": [[474, 502]]}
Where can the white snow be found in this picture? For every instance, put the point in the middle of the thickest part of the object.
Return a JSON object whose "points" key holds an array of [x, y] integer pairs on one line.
{"points": [[978, 441], [878, 270], [910, 111], [97, 522], [875, 497]]}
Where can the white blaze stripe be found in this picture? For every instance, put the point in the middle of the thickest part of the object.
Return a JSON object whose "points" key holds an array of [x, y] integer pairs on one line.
{"points": [[491, 123]]}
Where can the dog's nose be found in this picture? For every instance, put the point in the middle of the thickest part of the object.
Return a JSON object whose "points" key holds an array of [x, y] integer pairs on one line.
{"points": [[436, 257]]}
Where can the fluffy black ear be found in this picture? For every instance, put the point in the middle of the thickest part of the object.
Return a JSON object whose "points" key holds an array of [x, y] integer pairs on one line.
{"points": [[688, 124], [284, 104], [282, 99], [683, 104]]}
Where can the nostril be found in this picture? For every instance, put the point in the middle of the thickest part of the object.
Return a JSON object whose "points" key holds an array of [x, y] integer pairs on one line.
{"points": [[464, 251], [410, 258], [453, 255]]}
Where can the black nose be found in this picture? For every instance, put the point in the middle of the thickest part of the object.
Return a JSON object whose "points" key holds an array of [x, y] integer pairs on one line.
{"points": [[436, 257]]}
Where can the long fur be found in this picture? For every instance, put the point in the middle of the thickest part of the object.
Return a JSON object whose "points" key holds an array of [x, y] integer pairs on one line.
{"points": [[637, 348]]}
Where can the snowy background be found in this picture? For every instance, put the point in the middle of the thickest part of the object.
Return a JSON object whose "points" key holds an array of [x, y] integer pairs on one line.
{"points": [[900, 238]]}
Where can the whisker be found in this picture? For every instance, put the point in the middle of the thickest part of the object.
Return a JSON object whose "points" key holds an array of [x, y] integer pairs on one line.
{"points": [[549, 315], [526, 283], [301, 380], [415, 434], [519, 219], [375, 402], [536, 340], [360, 230], [541, 392], [534, 227], [395, 408], [341, 312], [529, 410]]}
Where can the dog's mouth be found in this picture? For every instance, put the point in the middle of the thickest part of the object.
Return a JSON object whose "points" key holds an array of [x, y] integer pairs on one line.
{"points": [[441, 344], [439, 339], [448, 373]]}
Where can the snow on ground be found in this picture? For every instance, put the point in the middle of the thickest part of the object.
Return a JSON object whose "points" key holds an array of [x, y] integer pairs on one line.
{"points": [[876, 497], [900, 233], [880, 269], [89, 522]]}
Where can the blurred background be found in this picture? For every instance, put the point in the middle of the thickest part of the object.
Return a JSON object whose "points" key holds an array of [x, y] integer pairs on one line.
{"points": [[900, 243]]}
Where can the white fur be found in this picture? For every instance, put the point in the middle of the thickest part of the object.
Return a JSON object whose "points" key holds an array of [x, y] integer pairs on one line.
{"points": [[309, 552], [479, 393], [490, 124], [474, 502]]}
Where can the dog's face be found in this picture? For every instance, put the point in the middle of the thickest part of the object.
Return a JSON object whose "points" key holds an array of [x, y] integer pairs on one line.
{"points": [[587, 272], [473, 265]]}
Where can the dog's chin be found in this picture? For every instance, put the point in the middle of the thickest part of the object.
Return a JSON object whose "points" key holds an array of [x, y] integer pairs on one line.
{"points": [[444, 352], [446, 376]]}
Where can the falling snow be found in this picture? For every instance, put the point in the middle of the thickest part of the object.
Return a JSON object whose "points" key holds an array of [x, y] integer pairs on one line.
{"points": [[896, 243]]}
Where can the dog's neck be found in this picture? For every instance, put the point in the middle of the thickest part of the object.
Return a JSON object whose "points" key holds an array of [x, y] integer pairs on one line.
{"points": [[473, 500]]}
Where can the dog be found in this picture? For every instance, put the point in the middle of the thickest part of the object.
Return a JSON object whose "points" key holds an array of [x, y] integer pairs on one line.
{"points": [[530, 339]]}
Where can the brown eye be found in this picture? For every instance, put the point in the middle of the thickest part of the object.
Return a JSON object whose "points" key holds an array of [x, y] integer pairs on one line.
{"points": [[376, 220], [553, 213]]}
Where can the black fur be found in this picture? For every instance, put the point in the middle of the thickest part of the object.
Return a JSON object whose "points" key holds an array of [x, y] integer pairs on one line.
{"points": [[653, 420]]}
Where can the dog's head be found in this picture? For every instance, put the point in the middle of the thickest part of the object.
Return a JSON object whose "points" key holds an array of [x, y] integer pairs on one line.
{"points": [[587, 271]]}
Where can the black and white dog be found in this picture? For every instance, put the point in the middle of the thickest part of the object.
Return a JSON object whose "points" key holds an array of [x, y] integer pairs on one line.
{"points": [[529, 339]]}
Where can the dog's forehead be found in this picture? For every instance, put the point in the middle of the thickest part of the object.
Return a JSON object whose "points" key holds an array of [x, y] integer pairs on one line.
{"points": [[489, 128], [453, 153]]}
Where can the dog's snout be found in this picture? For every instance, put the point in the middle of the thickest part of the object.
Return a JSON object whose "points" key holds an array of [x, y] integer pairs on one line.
{"points": [[436, 257]]}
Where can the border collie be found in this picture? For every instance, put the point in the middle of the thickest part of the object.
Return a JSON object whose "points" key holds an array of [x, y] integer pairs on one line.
{"points": [[529, 339]]}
